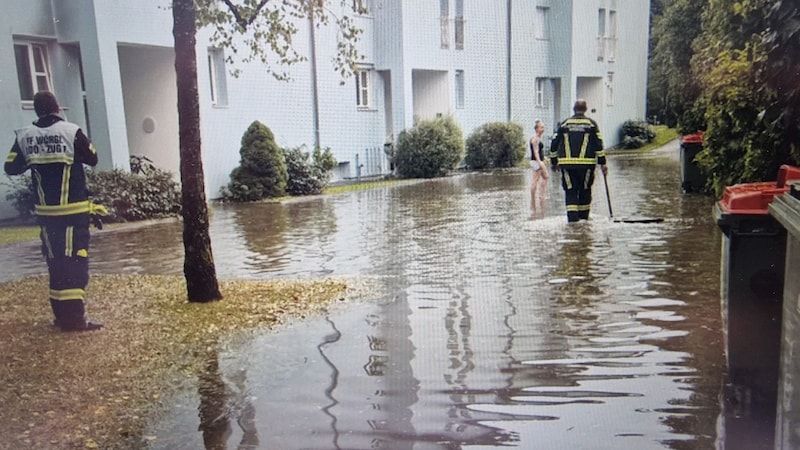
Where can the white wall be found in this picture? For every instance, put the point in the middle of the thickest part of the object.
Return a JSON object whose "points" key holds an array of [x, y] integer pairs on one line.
{"points": [[629, 67], [150, 96]]}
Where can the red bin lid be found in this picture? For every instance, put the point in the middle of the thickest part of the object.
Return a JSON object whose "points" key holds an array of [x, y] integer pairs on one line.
{"points": [[754, 198], [695, 138]]}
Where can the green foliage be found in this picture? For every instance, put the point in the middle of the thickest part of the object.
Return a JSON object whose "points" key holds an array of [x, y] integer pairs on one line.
{"points": [[263, 31], [21, 195], [141, 164], [495, 144], [781, 40], [672, 88], [429, 149], [636, 134], [262, 168], [729, 63], [128, 196], [308, 173]]}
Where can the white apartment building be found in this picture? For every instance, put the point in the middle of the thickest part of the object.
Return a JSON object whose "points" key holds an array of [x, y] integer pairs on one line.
{"points": [[111, 64]]}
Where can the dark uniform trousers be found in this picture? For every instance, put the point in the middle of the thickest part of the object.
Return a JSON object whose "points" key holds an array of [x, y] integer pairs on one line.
{"points": [[65, 246], [577, 183]]}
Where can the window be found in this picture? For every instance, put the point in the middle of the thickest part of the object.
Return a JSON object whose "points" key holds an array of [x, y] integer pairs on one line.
{"points": [[601, 22], [362, 89], [601, 34], [33, 69], [610, 89], [540, 82], [459, 89], [459, 24], [541, 28], [612, 35], [362, 7], [444, 22], [216, 75]]}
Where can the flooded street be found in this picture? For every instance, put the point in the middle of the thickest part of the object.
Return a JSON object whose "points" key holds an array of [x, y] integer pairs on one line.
{"points": [[498, 324]]}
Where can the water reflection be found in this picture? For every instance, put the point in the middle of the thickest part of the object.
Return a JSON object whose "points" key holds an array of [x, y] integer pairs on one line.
{"points": [[492, 329]]}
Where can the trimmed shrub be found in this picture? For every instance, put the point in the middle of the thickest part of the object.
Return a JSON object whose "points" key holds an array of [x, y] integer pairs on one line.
{"points": [[636, 134], [429, 149], [262, 167], [308, 173], [21, 195], [128, 196], [131, 196], [495, 144]]}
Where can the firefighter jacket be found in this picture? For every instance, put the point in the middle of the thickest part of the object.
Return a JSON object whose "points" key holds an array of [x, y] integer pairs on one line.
{"points": [[55, 150], [577, 143]]}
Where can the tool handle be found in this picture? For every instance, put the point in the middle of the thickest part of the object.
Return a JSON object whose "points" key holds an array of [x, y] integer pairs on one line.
{"points": [[608, 196]]}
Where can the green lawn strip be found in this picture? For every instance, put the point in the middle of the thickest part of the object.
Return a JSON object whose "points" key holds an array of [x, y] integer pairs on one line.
{"points": [[10, 235], [15, 234], [664, 135]]}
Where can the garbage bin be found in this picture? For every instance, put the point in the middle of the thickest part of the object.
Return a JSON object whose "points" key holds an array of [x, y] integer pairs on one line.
{"points": [[752, 276], [786, 209], [692, 180]]}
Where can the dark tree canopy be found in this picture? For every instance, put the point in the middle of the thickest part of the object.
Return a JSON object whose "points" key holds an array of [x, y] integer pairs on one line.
{"points": [[732, 68]]}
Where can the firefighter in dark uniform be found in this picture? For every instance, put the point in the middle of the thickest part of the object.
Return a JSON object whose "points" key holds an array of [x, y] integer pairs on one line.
{"points": [[55, 151], [577, 148]]}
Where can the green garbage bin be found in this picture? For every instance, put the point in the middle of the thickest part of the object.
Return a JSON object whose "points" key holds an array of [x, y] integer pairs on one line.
{"points": [[692, 179]]}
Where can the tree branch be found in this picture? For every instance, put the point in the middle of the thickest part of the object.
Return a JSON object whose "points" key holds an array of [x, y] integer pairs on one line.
{"points": [[244, 23]]}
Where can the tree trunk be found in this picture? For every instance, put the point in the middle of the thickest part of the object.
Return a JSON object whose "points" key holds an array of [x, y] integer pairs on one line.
{"points": [[198, 263]]}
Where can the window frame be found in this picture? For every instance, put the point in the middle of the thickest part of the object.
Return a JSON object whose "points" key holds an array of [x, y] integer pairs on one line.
{"points": [[460, 89], [611, 47], [362, 7], [364, 88], [459, 25], [539, 87], [610, 100], [444, 23], [601, 34], [218, 85], [33, 74], [541, 28]]}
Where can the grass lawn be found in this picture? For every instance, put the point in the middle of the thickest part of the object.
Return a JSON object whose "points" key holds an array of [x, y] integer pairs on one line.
{"points": [[10, 235], [663, 136]]}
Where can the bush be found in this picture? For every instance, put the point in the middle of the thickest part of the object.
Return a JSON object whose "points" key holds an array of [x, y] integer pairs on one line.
{"points": [[128, 196], [636, 134], [262, 167], [308, 176], [429, 149], [21, 195], [131, 196], [495, 144]]}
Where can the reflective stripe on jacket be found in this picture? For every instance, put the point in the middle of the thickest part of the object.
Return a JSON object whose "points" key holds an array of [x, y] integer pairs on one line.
{"points": [[577, 142], [55, 151]]}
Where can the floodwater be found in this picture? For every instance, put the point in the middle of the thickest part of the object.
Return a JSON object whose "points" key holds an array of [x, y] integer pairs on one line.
{"points": [[497, 323]]}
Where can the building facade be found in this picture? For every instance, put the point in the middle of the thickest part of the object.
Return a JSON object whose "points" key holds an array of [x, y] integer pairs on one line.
{"points": [[111, 64]]}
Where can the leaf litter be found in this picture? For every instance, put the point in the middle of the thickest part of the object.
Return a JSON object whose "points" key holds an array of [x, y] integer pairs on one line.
{"points": [[96, 389]]}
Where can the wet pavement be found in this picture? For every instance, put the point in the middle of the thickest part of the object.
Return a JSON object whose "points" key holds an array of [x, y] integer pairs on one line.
{"points": [[498, 324]]}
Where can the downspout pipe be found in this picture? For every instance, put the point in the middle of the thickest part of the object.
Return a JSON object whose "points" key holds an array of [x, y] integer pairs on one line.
{"points": [[315, 90], [508, 60]]}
